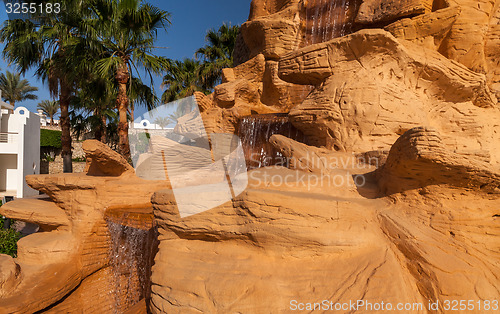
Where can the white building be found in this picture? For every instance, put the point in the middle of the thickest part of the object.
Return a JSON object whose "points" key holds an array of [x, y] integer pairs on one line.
{"points": [[44, 120], [145, 124], [43, 117], [19, 150]]}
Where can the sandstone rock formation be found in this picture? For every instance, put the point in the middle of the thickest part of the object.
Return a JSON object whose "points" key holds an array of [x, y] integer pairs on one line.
{"points": [[393, 196], [275, 244], [397, 198], [428, 30], [462, 31], [419, 158], [371, 89], [379, 11], [66, 268]]}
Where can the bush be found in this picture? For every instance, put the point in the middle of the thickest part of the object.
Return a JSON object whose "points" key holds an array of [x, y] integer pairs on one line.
{"points": [[8, 240], [50, 138]]}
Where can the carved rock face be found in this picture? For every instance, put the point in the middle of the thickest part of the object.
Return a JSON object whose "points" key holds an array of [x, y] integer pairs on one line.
{"points": [[372, 88], [414, 82], [459, 30]]}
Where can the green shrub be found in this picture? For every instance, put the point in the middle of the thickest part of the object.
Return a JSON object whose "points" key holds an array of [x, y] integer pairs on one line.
{"points": [[8, 240], [50, 138]]}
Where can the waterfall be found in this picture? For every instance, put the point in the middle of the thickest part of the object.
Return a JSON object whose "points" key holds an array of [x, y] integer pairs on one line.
{"points": [[328, 19], [255, 132], [133, 245]]}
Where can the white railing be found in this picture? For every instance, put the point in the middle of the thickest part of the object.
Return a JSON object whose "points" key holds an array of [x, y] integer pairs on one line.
{"points": [[8, 138]]}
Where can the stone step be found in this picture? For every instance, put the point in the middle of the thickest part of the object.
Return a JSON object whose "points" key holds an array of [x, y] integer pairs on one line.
{"points": [[41, 211], [46, 247]]}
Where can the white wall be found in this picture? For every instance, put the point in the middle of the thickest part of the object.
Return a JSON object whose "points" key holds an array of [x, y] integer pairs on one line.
{"points": [[26, 149], [145, 124], [8, 172], [29, 149]]}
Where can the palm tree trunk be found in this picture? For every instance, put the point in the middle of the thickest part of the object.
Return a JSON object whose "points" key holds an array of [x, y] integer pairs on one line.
{"points": [[122, 76], [98, 133], [104, 133], [98, 129], [64, 99], [132, 117]]}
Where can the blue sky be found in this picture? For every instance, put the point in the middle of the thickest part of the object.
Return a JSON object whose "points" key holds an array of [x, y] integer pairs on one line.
{"points": [[190, 21]]}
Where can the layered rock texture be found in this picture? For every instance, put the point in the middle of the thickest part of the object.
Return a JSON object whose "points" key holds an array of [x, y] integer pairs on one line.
{"points": [[391, 194], [68, 268]]}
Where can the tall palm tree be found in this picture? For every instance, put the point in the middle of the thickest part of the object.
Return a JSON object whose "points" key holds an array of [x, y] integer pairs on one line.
{"points": [[182, 80], [43, 42], [94, 103], [50, 108], [126, 31], [218, 54], [15, 89]]}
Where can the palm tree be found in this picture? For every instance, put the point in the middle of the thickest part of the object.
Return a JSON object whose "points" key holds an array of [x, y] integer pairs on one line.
{"points": [[181, 111], [46, 46], [126, 31], [92, 106], [218, 54], [50, 108], [182, 80], [14, 89], [163, 122], [94, 103]]}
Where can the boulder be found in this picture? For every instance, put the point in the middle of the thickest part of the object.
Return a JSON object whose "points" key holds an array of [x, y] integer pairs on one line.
{"points": [[379, 11], [273, 28], [278, 245], [419, 159], [102, 161]]}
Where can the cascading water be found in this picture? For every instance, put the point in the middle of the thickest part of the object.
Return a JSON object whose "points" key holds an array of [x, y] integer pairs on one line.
{"points": [[255, 132], [133, 245], [328, 19]]}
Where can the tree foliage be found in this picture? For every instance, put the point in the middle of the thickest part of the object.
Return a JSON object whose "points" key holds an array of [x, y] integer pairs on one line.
{"points": [[8, 239], [15, 89], [217, 54], [124, 33], [203, 73], [92, 55], [182, 80], [50, 108], [52, 44]]}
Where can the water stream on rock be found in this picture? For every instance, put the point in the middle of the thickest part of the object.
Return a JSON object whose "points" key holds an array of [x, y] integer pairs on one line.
{"points": [[132, 232], [255, 132], [328, 19], [133, 245]]}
